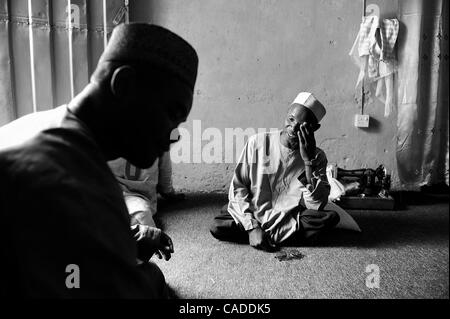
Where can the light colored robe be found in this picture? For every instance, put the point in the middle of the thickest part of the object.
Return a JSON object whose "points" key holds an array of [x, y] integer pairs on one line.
{"points": [[266, 188], [139, 186]]}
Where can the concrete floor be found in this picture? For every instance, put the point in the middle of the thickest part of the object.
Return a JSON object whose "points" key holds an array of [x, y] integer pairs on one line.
{"points": [[409, 246]]}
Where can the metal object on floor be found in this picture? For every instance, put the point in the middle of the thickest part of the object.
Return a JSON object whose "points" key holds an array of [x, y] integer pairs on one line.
{"points": [[289, 255]]}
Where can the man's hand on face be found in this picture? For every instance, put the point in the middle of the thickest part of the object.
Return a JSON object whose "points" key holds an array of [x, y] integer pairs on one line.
{"points": [[259, 239], [151, 240], [307, 142]]}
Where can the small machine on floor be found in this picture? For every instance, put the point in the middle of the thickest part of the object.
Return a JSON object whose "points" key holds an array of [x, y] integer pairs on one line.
{"points": [[364, 188]]}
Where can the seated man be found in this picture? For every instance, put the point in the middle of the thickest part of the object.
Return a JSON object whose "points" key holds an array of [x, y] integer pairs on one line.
{"points": [[60, 204], [279, 187]]}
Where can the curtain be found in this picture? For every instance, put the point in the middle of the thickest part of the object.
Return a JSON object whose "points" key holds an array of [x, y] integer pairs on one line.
{"points": [[423, 98], [7, 112], [47, 58]]}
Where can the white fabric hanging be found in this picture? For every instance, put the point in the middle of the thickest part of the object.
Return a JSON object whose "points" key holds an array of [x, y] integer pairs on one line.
{"points": [[373, 51]]}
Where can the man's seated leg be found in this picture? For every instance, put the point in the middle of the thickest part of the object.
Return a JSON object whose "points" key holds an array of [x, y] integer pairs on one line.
{"points": [[312, 224], [315, 223], [225, 228]]}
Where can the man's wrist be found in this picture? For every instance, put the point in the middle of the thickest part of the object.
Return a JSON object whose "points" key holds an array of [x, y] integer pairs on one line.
{"points": [[310, 161]]}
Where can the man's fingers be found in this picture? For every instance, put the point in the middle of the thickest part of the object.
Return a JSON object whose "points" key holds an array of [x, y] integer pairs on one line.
{"points": [[165, 253], [168, 242], [268, 247], [306, 136], [304, 132], [300, 137], [139, 236], [306, 129], [273, 247], [268, 242], [157, 253], [171, 246], [309, 134]]}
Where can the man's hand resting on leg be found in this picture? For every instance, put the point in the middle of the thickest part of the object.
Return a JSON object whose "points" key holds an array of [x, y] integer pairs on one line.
{"points": [[259, 239], [152, 240]]}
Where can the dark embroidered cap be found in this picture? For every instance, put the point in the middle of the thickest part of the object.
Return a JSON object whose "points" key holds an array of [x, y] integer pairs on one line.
{"points": [[155, 45]]}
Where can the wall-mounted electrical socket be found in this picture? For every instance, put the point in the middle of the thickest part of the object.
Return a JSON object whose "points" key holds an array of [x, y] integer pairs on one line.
{"points": [[362, 120]]}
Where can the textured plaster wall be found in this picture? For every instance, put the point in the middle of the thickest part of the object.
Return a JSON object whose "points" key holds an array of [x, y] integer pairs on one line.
{"points": [[255, 56]]}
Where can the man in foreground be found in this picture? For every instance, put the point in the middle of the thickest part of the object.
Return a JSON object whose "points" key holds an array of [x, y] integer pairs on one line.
{"points": [[61, 207], [279, 187]]}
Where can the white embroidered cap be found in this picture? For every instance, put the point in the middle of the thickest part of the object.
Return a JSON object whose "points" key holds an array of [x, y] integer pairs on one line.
{"points": [[309, 100]]}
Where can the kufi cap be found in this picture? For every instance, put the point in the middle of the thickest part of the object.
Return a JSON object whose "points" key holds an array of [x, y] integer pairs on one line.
{"points": [[155, 45], [309, 101]]}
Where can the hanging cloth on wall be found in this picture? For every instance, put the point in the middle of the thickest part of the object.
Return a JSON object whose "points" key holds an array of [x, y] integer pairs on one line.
{"points": [[423, 95], [374, 53]]}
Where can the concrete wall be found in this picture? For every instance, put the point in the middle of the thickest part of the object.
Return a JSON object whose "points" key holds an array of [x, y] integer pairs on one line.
{"points": [[255, 56]]}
